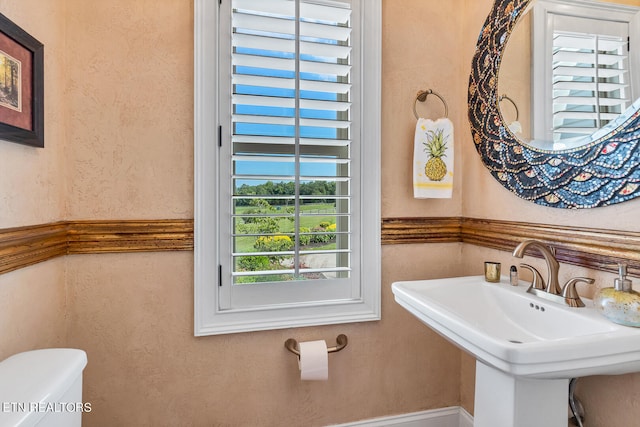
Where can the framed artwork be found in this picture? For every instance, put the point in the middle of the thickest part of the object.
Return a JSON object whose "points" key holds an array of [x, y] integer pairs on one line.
{"points": [[21, 86]]}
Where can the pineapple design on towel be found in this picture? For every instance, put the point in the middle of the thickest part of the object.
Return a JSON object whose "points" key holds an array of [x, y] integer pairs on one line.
{"points": [[433, 159], [435, 147]]}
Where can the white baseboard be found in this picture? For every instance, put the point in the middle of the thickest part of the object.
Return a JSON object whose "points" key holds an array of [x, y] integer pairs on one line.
{"points": [[466, 420], [454, 416]]}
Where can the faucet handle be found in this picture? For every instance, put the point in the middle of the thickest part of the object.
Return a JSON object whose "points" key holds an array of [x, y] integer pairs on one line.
{"points": [[570, 293], [537, 282]]}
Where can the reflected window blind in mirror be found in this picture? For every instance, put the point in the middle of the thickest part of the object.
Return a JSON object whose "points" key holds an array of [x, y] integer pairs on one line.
{"points": [[590, 67]]}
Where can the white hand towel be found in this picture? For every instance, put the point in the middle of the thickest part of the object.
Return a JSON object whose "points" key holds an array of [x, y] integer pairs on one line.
{"points": [[433, 159], [515, 128]]}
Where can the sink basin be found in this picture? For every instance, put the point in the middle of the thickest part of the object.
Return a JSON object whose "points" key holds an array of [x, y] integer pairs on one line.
{"points": [[518, 333]]}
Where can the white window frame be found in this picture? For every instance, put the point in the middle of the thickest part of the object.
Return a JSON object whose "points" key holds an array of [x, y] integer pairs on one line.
{"points": [[542, 41], [209, 318]]}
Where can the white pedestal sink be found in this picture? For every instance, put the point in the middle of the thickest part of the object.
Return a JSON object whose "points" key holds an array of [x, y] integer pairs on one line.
{"points": [[527, 349]]}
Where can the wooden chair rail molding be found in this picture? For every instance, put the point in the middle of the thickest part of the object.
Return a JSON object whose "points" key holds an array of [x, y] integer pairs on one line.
{"points": [[591, 248], [587, 247], [23, 246]]}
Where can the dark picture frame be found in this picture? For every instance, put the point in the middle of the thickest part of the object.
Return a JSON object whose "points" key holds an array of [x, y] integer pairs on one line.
{"points": [[21, 86]]}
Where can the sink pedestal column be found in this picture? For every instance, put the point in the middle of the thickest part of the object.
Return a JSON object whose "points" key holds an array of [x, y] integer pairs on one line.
{"points": [[503, 400]]}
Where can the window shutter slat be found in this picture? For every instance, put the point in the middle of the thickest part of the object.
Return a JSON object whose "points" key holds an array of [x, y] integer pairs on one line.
{"points": [[334, 12], [285, 26], [275, 26], [282, 83], [273, 101], [286, 159], [255, 139], [287, 45], [338, 12], [589, 72], [275, 7], [289, 65], [590, 86], [589, 100], [579, 41], [582, 115], [576, 130], [588, 58]]}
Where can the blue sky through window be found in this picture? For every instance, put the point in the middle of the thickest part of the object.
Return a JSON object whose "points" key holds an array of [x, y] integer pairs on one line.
{"points": [[279, 168], [282, 168]]}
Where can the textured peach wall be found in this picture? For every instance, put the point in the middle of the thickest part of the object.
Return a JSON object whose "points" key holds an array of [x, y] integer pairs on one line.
{"points": [[32, 301], [33, 308], [130, 104], [32, 179]]}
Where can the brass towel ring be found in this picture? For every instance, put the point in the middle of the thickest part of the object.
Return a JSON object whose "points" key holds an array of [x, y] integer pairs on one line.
{"points": [[512, 102], [422, 96]]}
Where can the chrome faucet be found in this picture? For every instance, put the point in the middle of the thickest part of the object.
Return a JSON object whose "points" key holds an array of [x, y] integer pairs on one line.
{"points": [[551, 291]]}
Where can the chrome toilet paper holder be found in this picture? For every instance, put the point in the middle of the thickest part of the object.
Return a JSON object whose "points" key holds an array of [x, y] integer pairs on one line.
{"points": [[341, 340]]}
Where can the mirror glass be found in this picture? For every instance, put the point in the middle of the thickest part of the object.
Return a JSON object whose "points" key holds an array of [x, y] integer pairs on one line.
{"points": [[567, 76]]}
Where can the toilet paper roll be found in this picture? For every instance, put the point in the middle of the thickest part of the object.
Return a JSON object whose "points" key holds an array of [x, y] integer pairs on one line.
{"points": [[314, 360]]}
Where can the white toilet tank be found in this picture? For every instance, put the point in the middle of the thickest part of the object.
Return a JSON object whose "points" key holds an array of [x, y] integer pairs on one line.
{"points": [[43, 388]]}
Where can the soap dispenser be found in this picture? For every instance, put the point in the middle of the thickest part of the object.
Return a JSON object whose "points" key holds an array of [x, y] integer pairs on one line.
{"points": [[620, 304]]}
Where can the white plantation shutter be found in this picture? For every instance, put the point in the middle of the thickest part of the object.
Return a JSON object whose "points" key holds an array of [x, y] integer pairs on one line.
{"points": [[291, 127], [584, 75], [590, 75], [287, 223]]}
